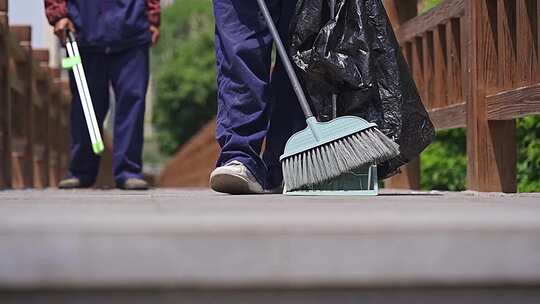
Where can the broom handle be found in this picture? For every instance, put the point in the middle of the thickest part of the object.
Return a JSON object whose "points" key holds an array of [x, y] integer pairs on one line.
{"points": [[286, 61], [334, 96]]}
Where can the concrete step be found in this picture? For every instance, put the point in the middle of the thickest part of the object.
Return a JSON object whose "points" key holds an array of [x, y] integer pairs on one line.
{"points": [[195, 245]]}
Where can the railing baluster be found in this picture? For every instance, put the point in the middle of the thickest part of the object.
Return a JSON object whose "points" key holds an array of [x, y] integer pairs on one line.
{"points": [[41, 119], [453, 42], [527, 41], [506, 45], [429, 73], [22, 117], [5, 102], [440, 50], [418, 67]]}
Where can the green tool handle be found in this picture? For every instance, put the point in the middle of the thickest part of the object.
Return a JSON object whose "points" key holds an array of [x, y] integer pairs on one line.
{"points": [[286, 61]]}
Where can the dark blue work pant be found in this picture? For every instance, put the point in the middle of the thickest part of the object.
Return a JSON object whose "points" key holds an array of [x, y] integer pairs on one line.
{"points": [[252, 105], [128, 73]]}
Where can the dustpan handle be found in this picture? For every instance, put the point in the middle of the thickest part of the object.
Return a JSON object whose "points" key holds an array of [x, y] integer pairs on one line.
{"points": [[286, 61]]}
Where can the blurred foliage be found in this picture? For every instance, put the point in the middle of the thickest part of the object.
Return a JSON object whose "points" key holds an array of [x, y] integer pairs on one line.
{"points": [[429, 4], [444, 163], [184, 73], [529, 154]]}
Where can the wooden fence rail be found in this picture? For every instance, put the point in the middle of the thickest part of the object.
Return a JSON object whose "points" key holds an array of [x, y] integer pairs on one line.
{"points": [[34, 105], [476, 64]]}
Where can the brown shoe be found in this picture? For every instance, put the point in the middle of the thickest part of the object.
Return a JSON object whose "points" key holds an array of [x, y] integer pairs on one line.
{"points": [[134, 184], [72, 183]]}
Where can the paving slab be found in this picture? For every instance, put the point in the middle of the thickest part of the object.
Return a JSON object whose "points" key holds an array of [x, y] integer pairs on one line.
{"points": [[193, 239]]}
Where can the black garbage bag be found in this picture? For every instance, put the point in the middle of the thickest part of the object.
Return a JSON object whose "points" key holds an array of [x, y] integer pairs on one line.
{"points": [[356, 56]]}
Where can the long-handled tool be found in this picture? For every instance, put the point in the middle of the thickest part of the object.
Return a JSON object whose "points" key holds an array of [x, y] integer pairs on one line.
{"points": [[324, 151], [74, 62]]}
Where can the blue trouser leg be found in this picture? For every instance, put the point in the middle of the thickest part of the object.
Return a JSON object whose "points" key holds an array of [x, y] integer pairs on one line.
{"points": [[286, 117], [246, 98], [129, 73], [84, 163]]}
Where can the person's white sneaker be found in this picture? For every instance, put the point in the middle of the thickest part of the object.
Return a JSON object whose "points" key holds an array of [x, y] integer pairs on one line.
{"points": [[235, 178]]}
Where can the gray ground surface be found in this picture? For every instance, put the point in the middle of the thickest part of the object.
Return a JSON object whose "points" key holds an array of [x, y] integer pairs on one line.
{"points": [[195, 238]]}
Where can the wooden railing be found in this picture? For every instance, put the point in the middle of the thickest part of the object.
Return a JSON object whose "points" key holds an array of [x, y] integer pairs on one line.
{"points": [[476, 64], [34, 112]]}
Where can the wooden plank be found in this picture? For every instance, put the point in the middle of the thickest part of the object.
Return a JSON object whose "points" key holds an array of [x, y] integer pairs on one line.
{"points": [[439, 15], [41, 166], [409, 178], [527, 41], [16, 52], [17, 85], [454, 60], [440, 62], [37, 97], [429, 71], [449, 117], [491, 146], [418, 67], [400, 11], [23, 160], [5, 100], [4, 6], [3, 16], [514, 103], [506, 44]]}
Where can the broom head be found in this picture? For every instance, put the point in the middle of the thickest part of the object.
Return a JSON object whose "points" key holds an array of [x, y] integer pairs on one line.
{"points": [[326, 150]]}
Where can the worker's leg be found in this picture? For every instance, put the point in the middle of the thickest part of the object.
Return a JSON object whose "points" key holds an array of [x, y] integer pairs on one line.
{"points": [[129, 72], [286, 115], [243, 51], [84, 163]]}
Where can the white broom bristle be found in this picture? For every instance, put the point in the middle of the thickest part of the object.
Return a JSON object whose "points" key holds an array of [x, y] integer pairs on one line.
{"points": [[329, 161]]}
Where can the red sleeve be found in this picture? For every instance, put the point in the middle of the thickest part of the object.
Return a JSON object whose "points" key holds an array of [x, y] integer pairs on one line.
{"points": [[154, 12], [55, 10]]}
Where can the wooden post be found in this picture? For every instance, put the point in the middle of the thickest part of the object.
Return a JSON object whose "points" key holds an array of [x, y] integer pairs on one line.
{"points": [[55, 130], [400, 11], [491, 145], [65, 126], [4, 14], [5, 102], [40, 132], [22, 145]]}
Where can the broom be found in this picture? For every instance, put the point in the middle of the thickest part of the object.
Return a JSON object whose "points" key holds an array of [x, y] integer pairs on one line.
{"points": [[326, 150]]}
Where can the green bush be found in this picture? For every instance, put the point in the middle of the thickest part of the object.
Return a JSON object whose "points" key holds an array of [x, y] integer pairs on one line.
{"points": [[184, 69], [429, 4], [444, 163], [529, 154]]}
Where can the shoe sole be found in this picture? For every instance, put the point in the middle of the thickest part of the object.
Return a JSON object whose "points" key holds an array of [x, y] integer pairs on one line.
{"points": [[230, 184], [134, 188]]}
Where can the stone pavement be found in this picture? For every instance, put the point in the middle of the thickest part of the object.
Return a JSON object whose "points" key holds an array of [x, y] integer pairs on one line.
{"points": [[182, 240]]}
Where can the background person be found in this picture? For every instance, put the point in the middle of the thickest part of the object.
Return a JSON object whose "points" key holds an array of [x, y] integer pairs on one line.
{"points": [[114, 39]]}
